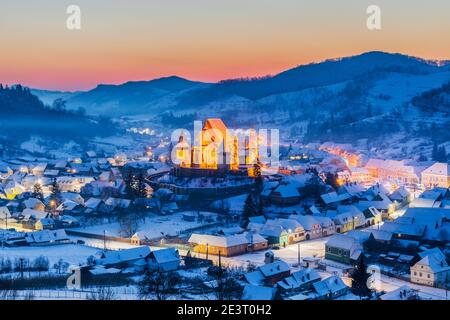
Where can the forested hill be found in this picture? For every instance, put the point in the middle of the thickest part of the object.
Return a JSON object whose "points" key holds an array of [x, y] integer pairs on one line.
{"points": [[22, 114]]}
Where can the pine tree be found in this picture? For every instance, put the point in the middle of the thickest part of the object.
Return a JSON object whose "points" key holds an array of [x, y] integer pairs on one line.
{"points": [[56, 194], [250, 209], [359, 278], [37, 192], [442, 154], [142, 190], [435, 152]]}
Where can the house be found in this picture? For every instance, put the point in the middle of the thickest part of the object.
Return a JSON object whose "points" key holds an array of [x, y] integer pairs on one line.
{"points": [[432, 270], [252, 292], [140, 239], [399, 172], [342, 221], [285, 195], [44, 224], [311, 225], [276, 235], [373, 216], [333, 199], [402, 293], [35, 204], [343, 248], [437, 175], [327, 225], [164, 260], [124, 258], [70, 207], [406, 231], [421, 224], [330, 288], [268, 274], [46, 238], [357, 216], [299, 281], [226, 245], [401, 195], [67, 221], [118, 203], [294, 229]]}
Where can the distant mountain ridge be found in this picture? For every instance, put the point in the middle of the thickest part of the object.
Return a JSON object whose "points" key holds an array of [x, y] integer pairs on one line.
{"points": [[175, 93]]}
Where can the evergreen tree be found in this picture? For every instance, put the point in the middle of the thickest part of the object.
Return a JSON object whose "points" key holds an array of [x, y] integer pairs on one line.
{"points": [[250, 209], [37, 192], [435, 152], [141, 190], [442, 154], [359, 278], [56, 194]]}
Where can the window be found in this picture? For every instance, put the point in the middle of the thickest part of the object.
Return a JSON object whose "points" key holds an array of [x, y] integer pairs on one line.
{"points": [[428, 275]]}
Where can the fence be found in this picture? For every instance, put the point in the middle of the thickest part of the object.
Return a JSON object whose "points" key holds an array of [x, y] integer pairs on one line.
{"points": [[128, 293]]}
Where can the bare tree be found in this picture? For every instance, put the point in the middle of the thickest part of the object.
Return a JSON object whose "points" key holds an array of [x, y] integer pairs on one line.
{"points": [[128, 225], [158, 284], [103, 293]]}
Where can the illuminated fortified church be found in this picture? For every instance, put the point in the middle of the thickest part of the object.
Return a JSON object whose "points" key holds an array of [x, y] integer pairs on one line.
{"points": [[217, 151], [214, 163]]}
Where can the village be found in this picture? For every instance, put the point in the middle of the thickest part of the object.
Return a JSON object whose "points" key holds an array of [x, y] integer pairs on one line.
{"points": [[223, 230]]}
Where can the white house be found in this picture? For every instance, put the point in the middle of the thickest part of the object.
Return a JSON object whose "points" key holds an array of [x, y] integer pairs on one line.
{"points": [[438, 175], [432, 270], [164, 259], [311, 225]]}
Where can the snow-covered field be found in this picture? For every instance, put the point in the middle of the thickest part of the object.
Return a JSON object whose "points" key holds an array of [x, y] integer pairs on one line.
{"points": [[154, 226], [70, 253]]}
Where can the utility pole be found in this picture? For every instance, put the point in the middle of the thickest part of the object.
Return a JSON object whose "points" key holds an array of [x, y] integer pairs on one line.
{"points": [[21, 267], [104, 240], [298, 254], [207, 251]]}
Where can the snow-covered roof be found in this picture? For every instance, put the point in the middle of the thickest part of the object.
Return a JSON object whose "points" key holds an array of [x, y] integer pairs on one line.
{"points": [[382, 235], [404, 229], [32, 203], [35, 214], [271, 230], [46, 236], [218, 241], [308, 222], [402, 293], [273, 268], [439, 168], [435, 260], [252, 292], [424, 203], [287, 191], [325, 222], [333, 197], [332, 284], [343, 241], [93, 203], [119, 256], [165, 255], [299, 278], [288, 224]]}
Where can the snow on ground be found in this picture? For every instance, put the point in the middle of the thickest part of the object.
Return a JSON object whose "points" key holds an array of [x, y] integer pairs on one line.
{"points": [[70, 253], [154, 226]]}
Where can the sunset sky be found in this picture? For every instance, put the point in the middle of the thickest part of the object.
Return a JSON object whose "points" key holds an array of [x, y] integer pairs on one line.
{"points": [[205, 40]]}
